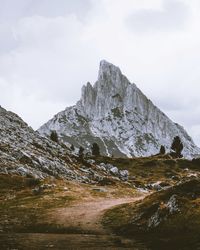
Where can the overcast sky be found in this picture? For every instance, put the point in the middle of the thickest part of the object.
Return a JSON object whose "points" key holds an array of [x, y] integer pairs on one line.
{"points": [[50, 48]]}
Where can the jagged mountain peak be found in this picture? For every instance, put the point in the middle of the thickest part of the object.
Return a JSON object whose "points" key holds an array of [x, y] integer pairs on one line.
{"points": [[110, 75], [107, 69], [110, 78], [117, 115], [110, 91]]}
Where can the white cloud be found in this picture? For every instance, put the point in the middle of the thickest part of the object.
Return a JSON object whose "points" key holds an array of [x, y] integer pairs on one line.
{"points": [[170, 17], [48, 66]]}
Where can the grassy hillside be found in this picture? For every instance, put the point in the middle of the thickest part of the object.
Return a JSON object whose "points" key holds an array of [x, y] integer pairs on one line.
{"points": [[169, 219]]}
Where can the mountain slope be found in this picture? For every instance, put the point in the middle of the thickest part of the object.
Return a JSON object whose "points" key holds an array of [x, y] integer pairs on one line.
{"points": [[119, 117], [24, 152]]}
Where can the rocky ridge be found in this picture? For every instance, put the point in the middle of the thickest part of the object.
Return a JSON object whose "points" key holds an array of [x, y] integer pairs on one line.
{"points": [[24, 152], [119, 117]]}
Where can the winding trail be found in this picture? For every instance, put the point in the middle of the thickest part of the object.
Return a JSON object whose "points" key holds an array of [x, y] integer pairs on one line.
{"points": [[86, 216], [83, 220]]}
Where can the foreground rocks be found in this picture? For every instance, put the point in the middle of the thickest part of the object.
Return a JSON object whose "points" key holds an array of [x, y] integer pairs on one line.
{"points": [[111, 169]]}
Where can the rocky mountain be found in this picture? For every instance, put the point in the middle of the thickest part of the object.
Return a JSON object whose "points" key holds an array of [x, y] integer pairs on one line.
{"points": [[24, 152], [119, 117]]}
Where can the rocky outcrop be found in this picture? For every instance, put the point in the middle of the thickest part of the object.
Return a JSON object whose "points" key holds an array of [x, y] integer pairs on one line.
{"points": [[164, 211], [24, 152], [119, 117]]}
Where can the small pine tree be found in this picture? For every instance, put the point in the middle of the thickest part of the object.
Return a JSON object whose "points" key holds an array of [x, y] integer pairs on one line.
{"points": [[81, 152], [54, 136], [177, 147], [95, 149], [72, 147], [162, 150]]}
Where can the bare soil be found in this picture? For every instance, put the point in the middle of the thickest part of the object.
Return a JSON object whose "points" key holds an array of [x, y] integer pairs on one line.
{"points": [[86, 216], [83, 218]]}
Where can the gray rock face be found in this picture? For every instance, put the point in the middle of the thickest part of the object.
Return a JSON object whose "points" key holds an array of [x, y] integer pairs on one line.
{"points": [[119, 117], [24, 152], [172, 204], [164, 212]]}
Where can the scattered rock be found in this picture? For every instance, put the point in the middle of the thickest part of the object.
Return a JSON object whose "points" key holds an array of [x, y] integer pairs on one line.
{"points": [[158, 186], [47, 186], [37, 191], [101, 168], [172, 204], [154, 221], [175, 178], [114, 170], [143, 190], [87, 171], [191, 175], [124, 174], [22, 171], [109, 166], [90, 161]]}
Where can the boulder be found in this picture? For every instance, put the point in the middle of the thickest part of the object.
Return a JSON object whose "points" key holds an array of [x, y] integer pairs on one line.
{"points": [[124, 174], [114, 170]]}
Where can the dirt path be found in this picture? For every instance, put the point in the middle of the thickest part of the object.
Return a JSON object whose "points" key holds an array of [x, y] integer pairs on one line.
{"points": [[86, 216], [83, 220]]}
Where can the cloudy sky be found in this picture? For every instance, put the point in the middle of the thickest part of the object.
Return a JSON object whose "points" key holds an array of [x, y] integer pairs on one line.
{"points": [[50, 48]]}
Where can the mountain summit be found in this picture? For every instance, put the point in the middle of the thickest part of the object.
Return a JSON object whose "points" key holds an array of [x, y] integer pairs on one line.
{"points": [[119, 117], [109, 92]]}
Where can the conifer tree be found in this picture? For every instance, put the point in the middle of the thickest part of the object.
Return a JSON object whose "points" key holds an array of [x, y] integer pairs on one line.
{"points": [[54, 136], [95, 149], [177, 147], [72, 147], [162, 150], [81, 152]]}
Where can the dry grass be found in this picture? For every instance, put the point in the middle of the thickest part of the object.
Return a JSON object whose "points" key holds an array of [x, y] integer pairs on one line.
{"points": [[23, 211], [179, 230]]}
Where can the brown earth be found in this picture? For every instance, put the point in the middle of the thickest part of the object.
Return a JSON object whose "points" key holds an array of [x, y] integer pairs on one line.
{"points": [[67, 216], [84, 220], [86, 216]]}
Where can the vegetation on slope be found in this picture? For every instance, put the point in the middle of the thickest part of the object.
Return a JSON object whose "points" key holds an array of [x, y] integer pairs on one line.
{"points": [[148, 170], [166, 219], [25, 203]]}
